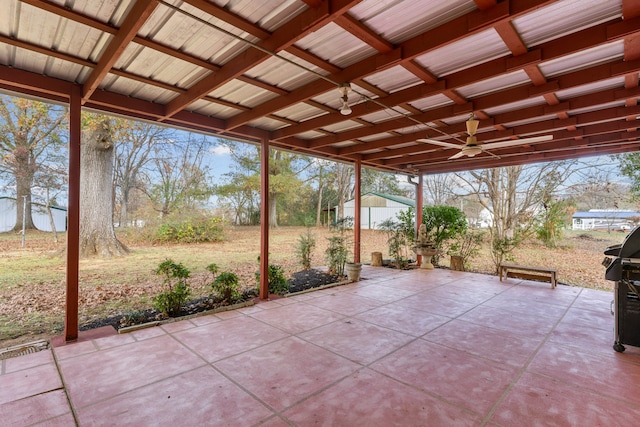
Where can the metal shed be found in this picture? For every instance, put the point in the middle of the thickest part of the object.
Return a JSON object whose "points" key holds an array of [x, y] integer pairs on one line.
{"points": [[39, 215], [376, 208]]}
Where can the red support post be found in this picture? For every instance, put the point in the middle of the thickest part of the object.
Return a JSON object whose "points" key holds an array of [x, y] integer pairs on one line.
{"points": [[73, 220], [357, 212], [264, 219], [419, 203]]}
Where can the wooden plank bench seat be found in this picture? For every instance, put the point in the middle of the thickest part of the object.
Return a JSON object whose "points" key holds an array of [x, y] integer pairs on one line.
{"points": [[529, 273]]}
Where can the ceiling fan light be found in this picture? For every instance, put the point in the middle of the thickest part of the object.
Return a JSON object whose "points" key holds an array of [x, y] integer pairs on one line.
{"points": [[345, 110], [472, 151], [344, 88]]}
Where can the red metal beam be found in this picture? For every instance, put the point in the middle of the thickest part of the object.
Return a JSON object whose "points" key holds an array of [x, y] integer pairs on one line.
{"points": [[135, 19], [357, 211], [419, 205], [355, 27], [264, 219], [73, 218], [285, 36], [600, 150], [511, 38], [552, 151]]}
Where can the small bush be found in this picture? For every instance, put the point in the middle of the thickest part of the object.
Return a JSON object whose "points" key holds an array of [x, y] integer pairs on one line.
{"points": [[226, 285], [191, 230], [304, 249], [278, 283], [176, 287], [467, 246], [336, 253]]}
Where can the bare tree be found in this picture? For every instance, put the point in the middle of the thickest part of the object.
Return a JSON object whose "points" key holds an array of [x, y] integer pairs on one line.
{"points": [[133, 152], [181, 174], [321, 177], [97, 236], [438, 189], [343, 175], [28, 130], [511, 195]]}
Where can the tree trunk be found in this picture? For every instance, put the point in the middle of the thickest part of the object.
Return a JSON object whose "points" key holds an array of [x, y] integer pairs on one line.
{"points": [[97, 236], [124, 208], [319, 209], [24, 171], [52, 222], [273, 210]]}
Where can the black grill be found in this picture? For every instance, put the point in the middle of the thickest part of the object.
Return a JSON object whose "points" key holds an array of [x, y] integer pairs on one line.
{"points": [[623, 267]]}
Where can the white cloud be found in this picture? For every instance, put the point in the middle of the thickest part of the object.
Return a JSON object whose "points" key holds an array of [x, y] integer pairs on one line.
{"points": [[220, 150]]}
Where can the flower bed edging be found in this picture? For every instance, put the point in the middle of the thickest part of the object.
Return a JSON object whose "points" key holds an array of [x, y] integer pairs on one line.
{"points": [[133, 328], [319, 288]]}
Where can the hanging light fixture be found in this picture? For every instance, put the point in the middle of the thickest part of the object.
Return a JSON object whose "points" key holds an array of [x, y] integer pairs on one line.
{"points": [[344, 89]]}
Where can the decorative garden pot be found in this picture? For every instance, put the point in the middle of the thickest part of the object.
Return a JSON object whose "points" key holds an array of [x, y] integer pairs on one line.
{"points": [[427, 253], [353, 271]]}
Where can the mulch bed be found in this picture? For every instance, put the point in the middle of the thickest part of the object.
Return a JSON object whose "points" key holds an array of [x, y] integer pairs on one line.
{"points": [[299, 281], [309, 279]]}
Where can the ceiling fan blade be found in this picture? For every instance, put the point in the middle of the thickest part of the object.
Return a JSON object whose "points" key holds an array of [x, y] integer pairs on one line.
{"points": [[457, 155], [516, 142], [440, 143], [491, 154]]}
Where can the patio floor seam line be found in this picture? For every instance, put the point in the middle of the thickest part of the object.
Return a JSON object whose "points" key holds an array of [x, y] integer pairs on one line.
{"points": [[427, 392], [314, 394], [526, 365], [93, 344], [136, 388], [72, 407], [584, 389]]}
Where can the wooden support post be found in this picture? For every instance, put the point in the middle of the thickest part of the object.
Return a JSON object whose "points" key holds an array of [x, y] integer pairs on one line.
{"points": [[73, 219], [264, 219]]}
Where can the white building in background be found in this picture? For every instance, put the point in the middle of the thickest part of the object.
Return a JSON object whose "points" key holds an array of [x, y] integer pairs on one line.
{"points": [[376, 208], [38, 213], [605, 219]]}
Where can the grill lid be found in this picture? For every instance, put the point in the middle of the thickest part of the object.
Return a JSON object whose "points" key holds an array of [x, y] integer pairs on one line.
{"points": [[631, 245]]}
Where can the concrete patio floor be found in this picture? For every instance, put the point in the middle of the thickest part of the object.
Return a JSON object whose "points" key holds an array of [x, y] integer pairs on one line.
{"points": [[407, 348]]}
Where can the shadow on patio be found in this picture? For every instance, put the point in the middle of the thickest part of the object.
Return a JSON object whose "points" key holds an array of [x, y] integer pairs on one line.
{"points": [[436, 348]]}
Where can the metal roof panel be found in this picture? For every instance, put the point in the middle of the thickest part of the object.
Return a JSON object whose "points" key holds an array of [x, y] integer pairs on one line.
{"points": [[564, 17], [465, 53], [398, 21]]}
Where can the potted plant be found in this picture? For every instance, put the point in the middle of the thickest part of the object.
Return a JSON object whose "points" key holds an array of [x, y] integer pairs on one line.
{"points": [[425, 246]]}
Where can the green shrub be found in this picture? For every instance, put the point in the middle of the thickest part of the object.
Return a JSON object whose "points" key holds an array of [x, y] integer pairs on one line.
{"points": [[336, 253], [304, 249], [176, 287], [278, 283], [442, 222], [467, 245], [191, 230], [397, 240], [226, 285]]}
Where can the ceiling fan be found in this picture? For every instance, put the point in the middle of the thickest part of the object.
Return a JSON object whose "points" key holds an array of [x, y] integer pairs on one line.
{"points": [[473, 147]]}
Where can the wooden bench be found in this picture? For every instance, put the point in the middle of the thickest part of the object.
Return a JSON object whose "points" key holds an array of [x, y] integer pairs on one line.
{"points": [[529, 273]]}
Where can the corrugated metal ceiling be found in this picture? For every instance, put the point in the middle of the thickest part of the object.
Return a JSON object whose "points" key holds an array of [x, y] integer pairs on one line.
{"points": [[270, 70]]}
